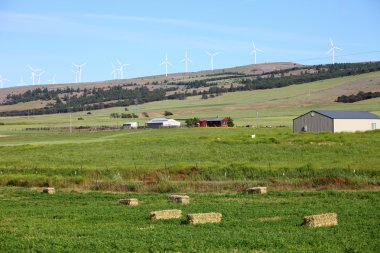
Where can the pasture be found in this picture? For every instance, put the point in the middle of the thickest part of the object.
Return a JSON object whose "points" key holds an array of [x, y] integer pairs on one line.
{"points": [[94, 221], [169, 158]]}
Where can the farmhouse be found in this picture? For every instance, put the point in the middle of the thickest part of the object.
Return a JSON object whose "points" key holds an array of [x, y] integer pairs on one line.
{"points": [[213, 122], [162, 122], [336, 121]]}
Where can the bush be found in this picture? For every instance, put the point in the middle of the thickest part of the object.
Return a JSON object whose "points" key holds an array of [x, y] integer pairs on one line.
{"points": [[145, 114], [114, 115], [192, 122], [167, 113], [230, 122], [2, 123], [88, 113]]}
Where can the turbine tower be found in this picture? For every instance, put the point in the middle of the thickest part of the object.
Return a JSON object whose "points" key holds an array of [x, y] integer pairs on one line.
{"points": [[212, 55], [166, 63], [186, 60], [114, 71], [79, 70], [2, 81], [254, 51], [39, 74], [35, 72], [332, 49], [76, 75], [121, 69]]}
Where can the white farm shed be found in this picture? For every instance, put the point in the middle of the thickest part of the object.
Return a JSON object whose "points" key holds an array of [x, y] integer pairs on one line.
{"points": [[162, 122], [336, 121]]}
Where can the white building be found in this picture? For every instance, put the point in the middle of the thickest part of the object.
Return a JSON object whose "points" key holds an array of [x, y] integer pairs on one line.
{"points": [[130, 125], [336, 121], [162, 122]]}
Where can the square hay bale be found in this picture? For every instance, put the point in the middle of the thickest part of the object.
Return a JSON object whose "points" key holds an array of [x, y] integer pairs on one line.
{"points": [[200, 218], [180, 199], [129, 202], [165, 214], [257, 190], [320, 220], [48, 190]]}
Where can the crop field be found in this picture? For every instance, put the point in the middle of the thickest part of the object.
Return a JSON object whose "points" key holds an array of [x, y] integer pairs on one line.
{"points": [[159, 157], [94, 221]]}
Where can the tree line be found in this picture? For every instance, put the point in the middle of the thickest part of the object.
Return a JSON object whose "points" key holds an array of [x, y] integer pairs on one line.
{"points": [[361, 95]]}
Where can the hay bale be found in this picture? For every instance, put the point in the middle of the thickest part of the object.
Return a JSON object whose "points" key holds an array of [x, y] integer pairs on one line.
{"points": [[165, 214], [180, 199], [48, 190], [320, 220], [200, 218], [257, 190], [129, 202]]}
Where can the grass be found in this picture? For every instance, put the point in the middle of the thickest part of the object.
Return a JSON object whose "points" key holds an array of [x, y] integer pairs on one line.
{"points": [[198, 154], [93, 221]]}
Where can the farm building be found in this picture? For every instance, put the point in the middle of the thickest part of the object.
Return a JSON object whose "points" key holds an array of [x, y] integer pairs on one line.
{"points": [[336, 121], [130, 125], [213, 122], [162, 122]]}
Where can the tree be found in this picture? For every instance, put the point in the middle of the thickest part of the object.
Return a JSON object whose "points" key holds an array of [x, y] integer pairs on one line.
{"points": [[192, 122], [167, 113], [230, 122]]}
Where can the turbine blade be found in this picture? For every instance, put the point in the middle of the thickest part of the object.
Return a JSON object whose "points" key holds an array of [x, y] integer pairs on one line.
{"points": [[338, 48], [208, 53], [329, 51], [119, 61], [332, 44]]}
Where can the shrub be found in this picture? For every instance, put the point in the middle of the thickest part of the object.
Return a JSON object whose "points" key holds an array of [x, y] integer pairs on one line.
{"points": [[167, 113], [230, 122]]}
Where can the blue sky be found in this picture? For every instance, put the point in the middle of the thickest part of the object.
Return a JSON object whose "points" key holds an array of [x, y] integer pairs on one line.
{"points": [[53, 34]]}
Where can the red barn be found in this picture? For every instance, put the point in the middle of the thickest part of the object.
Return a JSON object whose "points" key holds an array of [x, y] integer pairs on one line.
{"points": [[213, 122]]}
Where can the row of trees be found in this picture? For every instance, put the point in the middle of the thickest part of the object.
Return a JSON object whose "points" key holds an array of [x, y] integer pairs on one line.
{"points": [[361, 95]]}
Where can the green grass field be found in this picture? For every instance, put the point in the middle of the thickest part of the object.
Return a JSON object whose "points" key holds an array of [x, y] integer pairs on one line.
{"points": [[95, 222], [194, 154]]}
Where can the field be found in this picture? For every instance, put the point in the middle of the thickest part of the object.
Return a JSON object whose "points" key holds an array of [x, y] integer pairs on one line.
{"points": [[93, 221], [166, 160]]}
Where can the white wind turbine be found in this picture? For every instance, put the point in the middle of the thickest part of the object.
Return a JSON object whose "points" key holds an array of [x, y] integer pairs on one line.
{"points": [[254, 51], [166, 63], [114, 71], [39, 74], [186, 60], [35, 72], [332, 49], [2, 80], [212, 55], [121, 69], [52, 80], [79, 70], [76, 75]]}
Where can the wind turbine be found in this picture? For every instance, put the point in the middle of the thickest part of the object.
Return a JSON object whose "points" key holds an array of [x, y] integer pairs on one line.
{"points": [[76, 75], [2, 81], [114, 70], [122, 65], [39, 74], [332, 49], [186, 60], [79, 70], [52, 80], [254, 51], [166, 63], [34, 72], [212, 55]]}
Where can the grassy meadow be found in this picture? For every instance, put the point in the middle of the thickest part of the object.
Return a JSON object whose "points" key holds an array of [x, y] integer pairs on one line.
{"points": [[163, 156], [96, 222]]}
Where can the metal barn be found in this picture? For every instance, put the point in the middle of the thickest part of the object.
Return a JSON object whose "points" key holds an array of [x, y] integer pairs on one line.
{"points": [[336, 121]]}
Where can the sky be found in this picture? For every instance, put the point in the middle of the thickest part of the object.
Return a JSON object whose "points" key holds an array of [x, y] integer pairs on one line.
{"points": [[51, 35]]}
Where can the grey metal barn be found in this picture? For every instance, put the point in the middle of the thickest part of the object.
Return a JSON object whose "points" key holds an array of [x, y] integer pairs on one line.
{"points": [[336, 121]]}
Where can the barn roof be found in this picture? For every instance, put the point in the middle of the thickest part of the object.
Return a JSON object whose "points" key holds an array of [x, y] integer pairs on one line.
{"points": [[211, 119], [347, 114]]}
